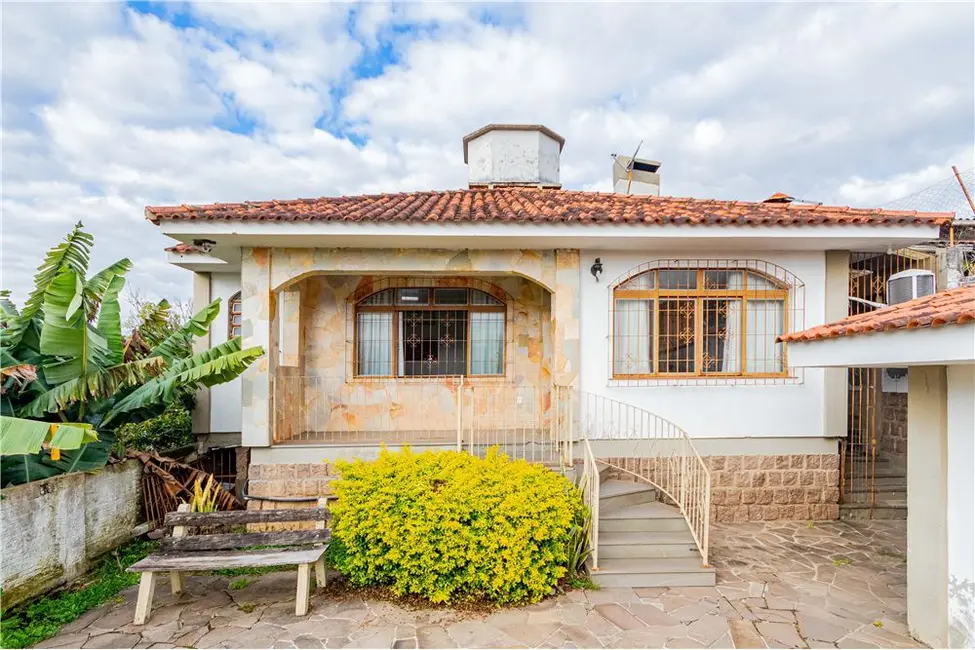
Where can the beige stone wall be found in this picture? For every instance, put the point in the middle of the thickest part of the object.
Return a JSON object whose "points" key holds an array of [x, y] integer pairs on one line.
{"points": [[892, 443], [763, 488]]}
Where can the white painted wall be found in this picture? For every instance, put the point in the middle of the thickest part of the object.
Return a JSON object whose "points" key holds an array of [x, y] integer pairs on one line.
{"points": [[961, 506], [225, 411], [729, 410]]}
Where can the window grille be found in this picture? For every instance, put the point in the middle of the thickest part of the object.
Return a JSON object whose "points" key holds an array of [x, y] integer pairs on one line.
{"points": [[703, 321], [235, 316], [429, 332]]}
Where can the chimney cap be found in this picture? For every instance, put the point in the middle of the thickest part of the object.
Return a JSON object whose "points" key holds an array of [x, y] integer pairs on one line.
{"points": [[512, 127]]}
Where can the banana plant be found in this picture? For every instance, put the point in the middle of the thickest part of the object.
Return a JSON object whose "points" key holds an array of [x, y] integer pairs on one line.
{"points": [[66, 361]]}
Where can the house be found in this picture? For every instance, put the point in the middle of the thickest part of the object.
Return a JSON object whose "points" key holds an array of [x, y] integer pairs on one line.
{"points": [[934, 337], [518, 313]]}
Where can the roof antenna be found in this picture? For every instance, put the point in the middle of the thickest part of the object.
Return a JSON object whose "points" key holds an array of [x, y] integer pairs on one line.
{"points": [[628, 167]]}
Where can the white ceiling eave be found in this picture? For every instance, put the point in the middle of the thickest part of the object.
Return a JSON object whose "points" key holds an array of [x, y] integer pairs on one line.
{"points": [[304, 234]]}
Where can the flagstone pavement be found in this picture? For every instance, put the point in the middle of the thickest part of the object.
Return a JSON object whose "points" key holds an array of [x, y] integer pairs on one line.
{"points": [[779, 585]]}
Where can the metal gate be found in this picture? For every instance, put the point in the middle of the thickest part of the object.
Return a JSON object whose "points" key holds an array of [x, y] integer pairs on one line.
{"points": [[869, 273]]}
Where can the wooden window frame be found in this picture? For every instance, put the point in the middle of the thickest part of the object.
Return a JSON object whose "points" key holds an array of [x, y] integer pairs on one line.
{"points": [[469, 308], [699, 294], [234, 308]]}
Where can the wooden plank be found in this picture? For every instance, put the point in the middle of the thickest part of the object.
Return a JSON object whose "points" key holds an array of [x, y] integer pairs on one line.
{"points": [[304, 590], [232, 517], [320, 580], [212, 560], [175, 579], [147, 586], [243, 540]]}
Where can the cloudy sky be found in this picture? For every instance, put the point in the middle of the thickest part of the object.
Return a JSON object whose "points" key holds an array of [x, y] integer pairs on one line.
{"points": [[109, 107]]}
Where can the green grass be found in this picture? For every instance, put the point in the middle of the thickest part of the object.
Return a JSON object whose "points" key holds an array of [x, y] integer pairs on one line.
{"points": [[240, 583], [582, 582], [255, 571], [841, 561], [34, 621]]}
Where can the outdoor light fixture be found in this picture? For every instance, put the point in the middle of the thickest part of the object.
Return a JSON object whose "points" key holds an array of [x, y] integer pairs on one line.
{"points": [[205, 245], [596, 269]]}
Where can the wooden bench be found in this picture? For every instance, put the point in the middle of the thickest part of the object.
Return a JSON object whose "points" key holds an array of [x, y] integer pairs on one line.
{"points": [[185, 552]]}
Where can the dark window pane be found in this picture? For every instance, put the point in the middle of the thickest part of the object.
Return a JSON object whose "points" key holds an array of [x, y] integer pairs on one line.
{"points": [[412, 296], [677, 279], [721, 324], [384, 297], [450, 296], [433, 343], [481, 298], [723, 280], [676, 337]]}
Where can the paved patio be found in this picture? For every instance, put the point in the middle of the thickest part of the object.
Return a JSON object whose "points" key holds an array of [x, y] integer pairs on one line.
{"points": [[780, 585]]}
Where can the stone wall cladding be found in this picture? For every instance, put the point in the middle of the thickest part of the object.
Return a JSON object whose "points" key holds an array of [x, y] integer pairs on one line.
{"points": [[287, 480], [892, 443], [762, 488]]}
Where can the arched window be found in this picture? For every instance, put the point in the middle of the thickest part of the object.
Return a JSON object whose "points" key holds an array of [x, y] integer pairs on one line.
{"points": [[699, 322], [235, 317], [429, 332]]}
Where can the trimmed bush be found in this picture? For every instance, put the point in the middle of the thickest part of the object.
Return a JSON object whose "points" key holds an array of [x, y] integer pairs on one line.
{"points": [[450, 526], [171, 429]]}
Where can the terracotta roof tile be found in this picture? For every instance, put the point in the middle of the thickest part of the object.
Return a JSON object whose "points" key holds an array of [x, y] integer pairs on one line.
{"points": [[533, 205], [183, 249], [943, 308]]}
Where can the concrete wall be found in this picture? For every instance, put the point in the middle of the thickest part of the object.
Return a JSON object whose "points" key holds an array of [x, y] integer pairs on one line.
{"points": [[723, 408], [225, 398], [53, 529], [961, 506], [513, 157]]}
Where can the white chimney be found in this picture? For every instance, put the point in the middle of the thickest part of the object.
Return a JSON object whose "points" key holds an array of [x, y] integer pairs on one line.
{"points": [[635, 176], [513, 154]]}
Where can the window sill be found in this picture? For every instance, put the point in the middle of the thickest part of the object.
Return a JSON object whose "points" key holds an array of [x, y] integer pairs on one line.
{"points": [[764, 380], [452, 379]]}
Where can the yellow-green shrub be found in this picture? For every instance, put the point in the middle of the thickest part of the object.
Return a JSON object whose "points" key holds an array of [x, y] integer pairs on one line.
{"points": [[450, 526]]}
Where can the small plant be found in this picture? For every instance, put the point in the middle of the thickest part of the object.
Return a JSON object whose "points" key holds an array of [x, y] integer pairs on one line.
{"points": [[582, 582], [239, 583], [841, 561], [205, 498], [247, 608], [878, 623], [810, 525], [578, 548]]}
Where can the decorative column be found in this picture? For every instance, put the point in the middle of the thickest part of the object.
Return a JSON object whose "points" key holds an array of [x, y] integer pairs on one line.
{"points": [[257, 304], [565, 319]]}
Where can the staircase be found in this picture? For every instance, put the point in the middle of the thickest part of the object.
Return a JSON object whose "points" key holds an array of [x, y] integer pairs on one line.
{"points": [[644, 543], [890, 486]]}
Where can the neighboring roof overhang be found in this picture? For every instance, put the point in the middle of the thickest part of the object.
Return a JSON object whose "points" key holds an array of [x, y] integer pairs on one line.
{"points": [[222, 259], [939, 346]]}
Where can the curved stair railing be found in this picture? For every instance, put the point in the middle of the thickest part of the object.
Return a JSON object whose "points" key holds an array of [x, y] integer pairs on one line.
{"points": [[651, 449]]}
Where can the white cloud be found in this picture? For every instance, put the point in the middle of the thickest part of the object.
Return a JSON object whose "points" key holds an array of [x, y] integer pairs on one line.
{"points": [[107, 110]]}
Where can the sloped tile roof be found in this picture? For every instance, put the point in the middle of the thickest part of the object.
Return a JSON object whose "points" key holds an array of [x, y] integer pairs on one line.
{"points": [[541, 206], [943, 308]]}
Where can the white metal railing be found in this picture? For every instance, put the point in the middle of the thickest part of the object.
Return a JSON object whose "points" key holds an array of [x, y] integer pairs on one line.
{"points": [[648, 447], [444, 411], [589, 486]]}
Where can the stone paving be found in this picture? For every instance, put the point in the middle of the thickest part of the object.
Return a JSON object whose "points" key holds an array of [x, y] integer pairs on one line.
{"points": [[780, 585]]}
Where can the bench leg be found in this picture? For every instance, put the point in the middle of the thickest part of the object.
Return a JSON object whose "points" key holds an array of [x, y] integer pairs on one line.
{"points": [[176, 582], [320, 573], [147, 585], [304, 588]]}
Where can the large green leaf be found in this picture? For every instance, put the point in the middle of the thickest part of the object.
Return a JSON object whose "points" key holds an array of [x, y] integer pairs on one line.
{"points": [[73, 345], [19, 436], [33, 467], [218, 365], [179, 344], [100, 283], [73, 253], [93, 386], [110, 319]]}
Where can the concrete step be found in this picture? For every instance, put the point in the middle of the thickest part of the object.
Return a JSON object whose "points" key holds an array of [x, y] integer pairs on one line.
{"points": [[645, 517], [614, 495], [661, 572], [646, 545], [863, 511], [604, 473]]}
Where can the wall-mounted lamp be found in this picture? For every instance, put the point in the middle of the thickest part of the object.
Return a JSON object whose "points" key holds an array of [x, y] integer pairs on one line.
{"points": [[205, 245], [596, 269]]}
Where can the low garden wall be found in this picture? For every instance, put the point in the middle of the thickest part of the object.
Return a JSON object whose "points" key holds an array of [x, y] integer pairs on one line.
{"points": [[53, 529]]}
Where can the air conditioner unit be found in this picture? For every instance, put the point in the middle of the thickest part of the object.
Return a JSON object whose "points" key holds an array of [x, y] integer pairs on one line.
{"points": [[908, 285]]}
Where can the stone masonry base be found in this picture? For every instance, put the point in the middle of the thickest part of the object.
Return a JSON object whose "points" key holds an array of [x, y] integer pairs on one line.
{"points": [[743, 488], [762, 488]]}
